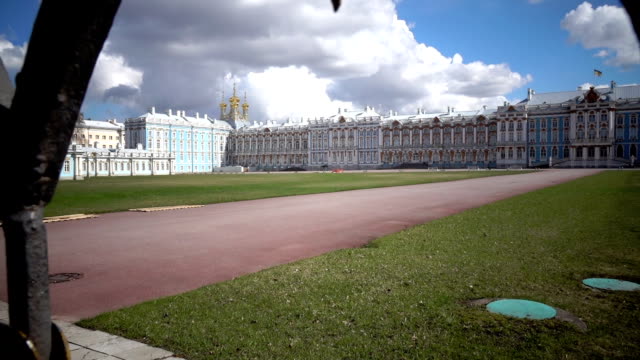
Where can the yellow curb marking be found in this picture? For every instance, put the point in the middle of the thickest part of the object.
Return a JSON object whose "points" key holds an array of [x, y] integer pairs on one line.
{"points": [[68, 217], [163, 208]]}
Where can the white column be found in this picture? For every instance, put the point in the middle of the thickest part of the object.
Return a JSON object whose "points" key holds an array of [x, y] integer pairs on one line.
{"points": [[612, 125]]}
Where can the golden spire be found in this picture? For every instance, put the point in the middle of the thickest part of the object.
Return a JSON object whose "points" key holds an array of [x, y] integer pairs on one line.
{"points": [[222, 103], [245, 107], [223, 106], [234, 100], [246, 104]]}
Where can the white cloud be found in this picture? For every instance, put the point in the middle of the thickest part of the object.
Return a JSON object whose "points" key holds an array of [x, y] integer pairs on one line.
{"points": [[114, 80], [607, 27], [292, 91], [602, 53], [12, 55], [295, 58]]}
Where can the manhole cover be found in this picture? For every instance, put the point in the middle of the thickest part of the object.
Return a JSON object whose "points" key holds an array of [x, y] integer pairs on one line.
{"points": [[523, 309], [611, 284], [63, 277]]}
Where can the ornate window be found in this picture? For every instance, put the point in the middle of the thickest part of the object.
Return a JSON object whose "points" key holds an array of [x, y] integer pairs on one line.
{"points": [[604, 132], [565, 152], [592, 132], [543, 152], [580, 132]]}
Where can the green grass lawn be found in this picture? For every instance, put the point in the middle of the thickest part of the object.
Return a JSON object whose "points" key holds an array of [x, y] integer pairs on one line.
{"points": [[404, 295], [108, 194]]}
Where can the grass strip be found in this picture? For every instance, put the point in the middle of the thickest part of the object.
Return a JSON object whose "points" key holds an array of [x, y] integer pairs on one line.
{"points": [[109, 194], [403, 295]]}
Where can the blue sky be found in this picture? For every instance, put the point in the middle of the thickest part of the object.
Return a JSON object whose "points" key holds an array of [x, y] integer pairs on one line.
{"points": [[506, 47], [527, 36]]}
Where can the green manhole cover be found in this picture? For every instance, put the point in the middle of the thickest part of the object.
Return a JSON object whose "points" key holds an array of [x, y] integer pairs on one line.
{"points": [[523, 309], [611, 284]]}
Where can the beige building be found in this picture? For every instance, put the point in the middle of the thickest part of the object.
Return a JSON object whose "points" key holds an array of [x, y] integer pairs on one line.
{"points": [[99, 134]]}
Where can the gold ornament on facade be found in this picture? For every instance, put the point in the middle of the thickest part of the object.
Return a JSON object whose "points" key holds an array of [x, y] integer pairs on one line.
{"points": [[234, 104]]}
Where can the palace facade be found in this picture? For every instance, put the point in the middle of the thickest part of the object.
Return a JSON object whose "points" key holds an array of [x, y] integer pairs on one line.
{"points": [[593, 128]]}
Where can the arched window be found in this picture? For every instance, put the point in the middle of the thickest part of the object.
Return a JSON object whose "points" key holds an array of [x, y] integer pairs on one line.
{"points": [[543, 152], [592, 132], [532, 152], [554, 152], [603, 130], [565, 152], [619, 151]]}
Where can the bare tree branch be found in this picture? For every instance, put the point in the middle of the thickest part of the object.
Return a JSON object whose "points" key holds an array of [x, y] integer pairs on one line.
{"points": [[336, 5], [66, 40]]}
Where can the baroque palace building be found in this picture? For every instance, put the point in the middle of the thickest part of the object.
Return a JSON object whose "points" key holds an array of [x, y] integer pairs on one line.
{"points": [[582, 128]]}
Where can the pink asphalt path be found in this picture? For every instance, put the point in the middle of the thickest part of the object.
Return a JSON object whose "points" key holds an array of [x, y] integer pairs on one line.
{"points": [[131, 257]]}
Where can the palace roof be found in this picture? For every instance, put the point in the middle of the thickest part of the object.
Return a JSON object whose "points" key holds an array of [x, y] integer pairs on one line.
{"points": [[105, 125], [612, 93]]}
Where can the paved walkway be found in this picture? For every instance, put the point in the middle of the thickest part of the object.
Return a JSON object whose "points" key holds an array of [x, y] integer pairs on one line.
{"points": [[97, 345], [127, 257]]}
